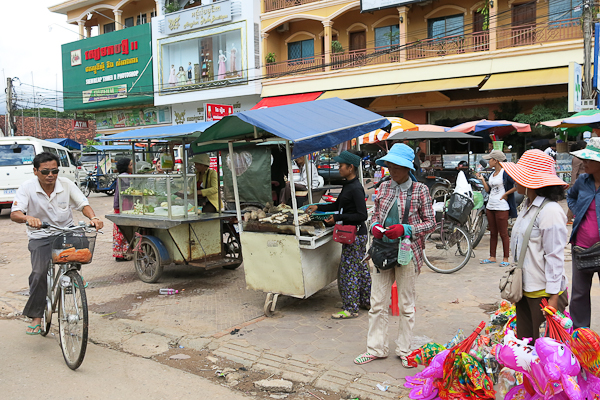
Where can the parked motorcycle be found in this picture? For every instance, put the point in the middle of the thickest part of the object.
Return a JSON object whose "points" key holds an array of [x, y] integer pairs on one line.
{"points": [[106, 183]]}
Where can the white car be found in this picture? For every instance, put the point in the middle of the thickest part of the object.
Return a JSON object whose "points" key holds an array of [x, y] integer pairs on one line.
{"points": [[16, 163]]}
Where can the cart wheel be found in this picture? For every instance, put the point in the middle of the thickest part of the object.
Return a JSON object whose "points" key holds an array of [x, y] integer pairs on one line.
{"points": [[233, 251], [110, 192], [148, 263], [270, 303]]}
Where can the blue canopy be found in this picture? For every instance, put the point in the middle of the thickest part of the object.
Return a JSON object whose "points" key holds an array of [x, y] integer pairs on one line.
{"points": [[111, 147], [191, 131], [311, 126], [68, 143]]}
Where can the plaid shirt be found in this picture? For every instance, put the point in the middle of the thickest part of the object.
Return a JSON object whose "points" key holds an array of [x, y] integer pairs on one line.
{"points": [[421, 216]]}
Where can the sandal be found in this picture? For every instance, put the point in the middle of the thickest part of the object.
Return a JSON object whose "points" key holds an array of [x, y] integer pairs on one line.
{"points": [[504, 264], [487, 261], [404, 361], [344, 315], [35, 330], [365, 358]]}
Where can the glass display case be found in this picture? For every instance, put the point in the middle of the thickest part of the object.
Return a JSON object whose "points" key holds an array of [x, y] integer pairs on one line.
{"points": [[563, 166], [475, 158], [165, 196]]}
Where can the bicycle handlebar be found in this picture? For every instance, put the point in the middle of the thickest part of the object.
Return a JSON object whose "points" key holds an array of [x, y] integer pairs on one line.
{"points": [[81, 226]]}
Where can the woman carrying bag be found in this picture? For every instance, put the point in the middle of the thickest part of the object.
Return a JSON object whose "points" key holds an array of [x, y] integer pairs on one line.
{"points": [[501, 205], [354, 277], [541, 227], [584, 201]]}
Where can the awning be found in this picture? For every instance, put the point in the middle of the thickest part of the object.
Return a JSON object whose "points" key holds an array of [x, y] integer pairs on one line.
{"points": [[406, 88], [312, 126], [285, 100], [68, 143], [188, 131], [111, 147], [538, 77], [412, 135]]}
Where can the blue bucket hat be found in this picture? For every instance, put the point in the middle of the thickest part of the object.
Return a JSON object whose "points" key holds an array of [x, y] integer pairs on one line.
{"points": [[400, 154]]}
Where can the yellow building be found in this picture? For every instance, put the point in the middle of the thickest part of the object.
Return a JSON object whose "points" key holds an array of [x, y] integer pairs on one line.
{"points": [[429, 61], [107, 15]]}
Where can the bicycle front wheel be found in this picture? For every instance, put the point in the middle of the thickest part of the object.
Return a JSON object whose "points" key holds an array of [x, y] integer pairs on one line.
{"points": [[47, 317], [73, 320], [447, 248]]}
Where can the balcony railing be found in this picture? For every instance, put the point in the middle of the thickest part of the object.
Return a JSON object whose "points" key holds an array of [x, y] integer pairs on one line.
{"points": [[527, 35], [426, 48], [459, 44], [272, 5]]}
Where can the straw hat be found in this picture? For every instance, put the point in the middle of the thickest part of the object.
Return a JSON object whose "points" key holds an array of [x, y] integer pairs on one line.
{"points": [[201, 159], [591, 151], [535, 169]]}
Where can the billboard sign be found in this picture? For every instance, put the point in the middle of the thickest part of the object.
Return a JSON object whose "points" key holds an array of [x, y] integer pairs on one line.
{"points": [[574, 98], [374, 5], [108, 71], [198, 17]]}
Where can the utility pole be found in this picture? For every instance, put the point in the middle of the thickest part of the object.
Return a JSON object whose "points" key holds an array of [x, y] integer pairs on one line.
{"points": [[8, 118], [587, 92]]}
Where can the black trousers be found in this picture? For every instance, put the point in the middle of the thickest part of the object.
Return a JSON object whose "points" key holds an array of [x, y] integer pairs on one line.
{"points": [[581, 304], [41, 254], [530, 316], [209, 208]]}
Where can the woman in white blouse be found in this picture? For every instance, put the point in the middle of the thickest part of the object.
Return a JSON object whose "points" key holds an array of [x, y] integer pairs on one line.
{"points": [[500, 206]]}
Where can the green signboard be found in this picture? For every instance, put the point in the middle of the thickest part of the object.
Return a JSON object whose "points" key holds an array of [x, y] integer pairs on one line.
{"points": [[108, 71]]}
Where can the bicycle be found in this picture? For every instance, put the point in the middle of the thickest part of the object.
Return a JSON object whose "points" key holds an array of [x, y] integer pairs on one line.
{"points": [[448, 248], [72, 247]]}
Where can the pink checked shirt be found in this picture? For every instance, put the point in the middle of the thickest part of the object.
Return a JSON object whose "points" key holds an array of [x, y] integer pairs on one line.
{"points": [[421, 216]]}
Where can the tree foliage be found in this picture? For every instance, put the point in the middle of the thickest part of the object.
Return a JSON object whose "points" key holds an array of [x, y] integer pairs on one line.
{"points": [[508, 110], [548, 110], [51, 113]]}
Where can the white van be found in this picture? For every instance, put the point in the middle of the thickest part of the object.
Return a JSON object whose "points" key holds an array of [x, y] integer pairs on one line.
{"points": [[16, 163]]}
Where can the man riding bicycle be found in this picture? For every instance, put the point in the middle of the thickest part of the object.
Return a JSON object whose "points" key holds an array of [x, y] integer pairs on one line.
{"points": [[45, 198]]}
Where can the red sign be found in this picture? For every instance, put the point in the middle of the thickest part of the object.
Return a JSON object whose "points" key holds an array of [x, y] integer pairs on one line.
{"points": [[121, 48], [216, 112], [80, 124], [213, 163]]}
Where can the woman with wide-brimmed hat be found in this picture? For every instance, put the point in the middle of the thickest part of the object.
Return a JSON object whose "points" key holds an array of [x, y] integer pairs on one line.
{"points": [[584, 203], [543, 266], [207, 182], [388, 225]]}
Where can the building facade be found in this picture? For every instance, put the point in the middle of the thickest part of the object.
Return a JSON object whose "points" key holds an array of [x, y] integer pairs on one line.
{"points": [[206, 56], [428, 61]]}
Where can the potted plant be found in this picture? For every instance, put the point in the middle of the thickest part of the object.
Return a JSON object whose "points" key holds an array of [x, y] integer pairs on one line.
{"points": [[172, 6], [336, 47], [270, 58]]}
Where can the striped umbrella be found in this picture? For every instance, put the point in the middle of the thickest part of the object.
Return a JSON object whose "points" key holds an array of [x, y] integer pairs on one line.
{"points": [[398, 125]]}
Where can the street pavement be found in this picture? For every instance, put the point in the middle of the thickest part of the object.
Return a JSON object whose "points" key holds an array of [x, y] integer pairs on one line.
{"points": [[214, 312]]}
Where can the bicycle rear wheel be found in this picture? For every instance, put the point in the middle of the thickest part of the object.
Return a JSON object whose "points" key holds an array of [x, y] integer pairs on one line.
{"points": [[73, 320], [47, 317], [447, 248]]}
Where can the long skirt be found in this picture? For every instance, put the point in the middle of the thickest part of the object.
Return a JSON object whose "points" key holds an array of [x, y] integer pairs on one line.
{"points": [[120, 245], [354, 277]]}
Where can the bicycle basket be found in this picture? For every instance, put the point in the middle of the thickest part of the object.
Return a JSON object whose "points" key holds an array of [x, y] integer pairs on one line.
{"points": [[74, 247], [459, 207]]}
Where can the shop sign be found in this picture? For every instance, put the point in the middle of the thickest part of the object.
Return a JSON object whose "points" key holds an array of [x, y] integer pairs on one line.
{"points": [[109, 70], [133, 117], [213, 163], [80, 124], [216, 112], [198, 17], [574, 98], [374, 5], [188, 113]]}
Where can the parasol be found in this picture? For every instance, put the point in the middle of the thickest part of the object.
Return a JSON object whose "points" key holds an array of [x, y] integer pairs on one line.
{"points": [[398, 125]]}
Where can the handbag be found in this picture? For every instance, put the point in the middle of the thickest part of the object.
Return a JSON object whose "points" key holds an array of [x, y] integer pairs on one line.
{"points": [[511, 284], [345, 234], [385, 254], [588, 260]]}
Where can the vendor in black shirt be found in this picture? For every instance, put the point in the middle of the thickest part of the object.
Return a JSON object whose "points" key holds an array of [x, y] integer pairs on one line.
{"points": [[354, 278]]}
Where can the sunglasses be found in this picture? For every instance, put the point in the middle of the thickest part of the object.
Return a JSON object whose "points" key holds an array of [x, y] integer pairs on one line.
{"points": [[48, 171]]}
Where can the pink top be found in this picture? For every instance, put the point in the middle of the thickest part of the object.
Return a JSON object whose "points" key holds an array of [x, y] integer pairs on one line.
{"points": [[587, 234]]}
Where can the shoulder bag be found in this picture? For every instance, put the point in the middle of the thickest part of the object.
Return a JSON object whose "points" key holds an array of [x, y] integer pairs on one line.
{"points": [[511, 284], [588, 260], [385, 254], [345, 234]]}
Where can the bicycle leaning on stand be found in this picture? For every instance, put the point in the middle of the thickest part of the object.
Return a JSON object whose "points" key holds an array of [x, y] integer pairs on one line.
{"points": [[448, 248], [71, 248]]}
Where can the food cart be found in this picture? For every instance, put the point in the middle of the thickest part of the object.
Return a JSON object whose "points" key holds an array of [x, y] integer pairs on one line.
{"points": [[160, 216], [288, 255]]}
